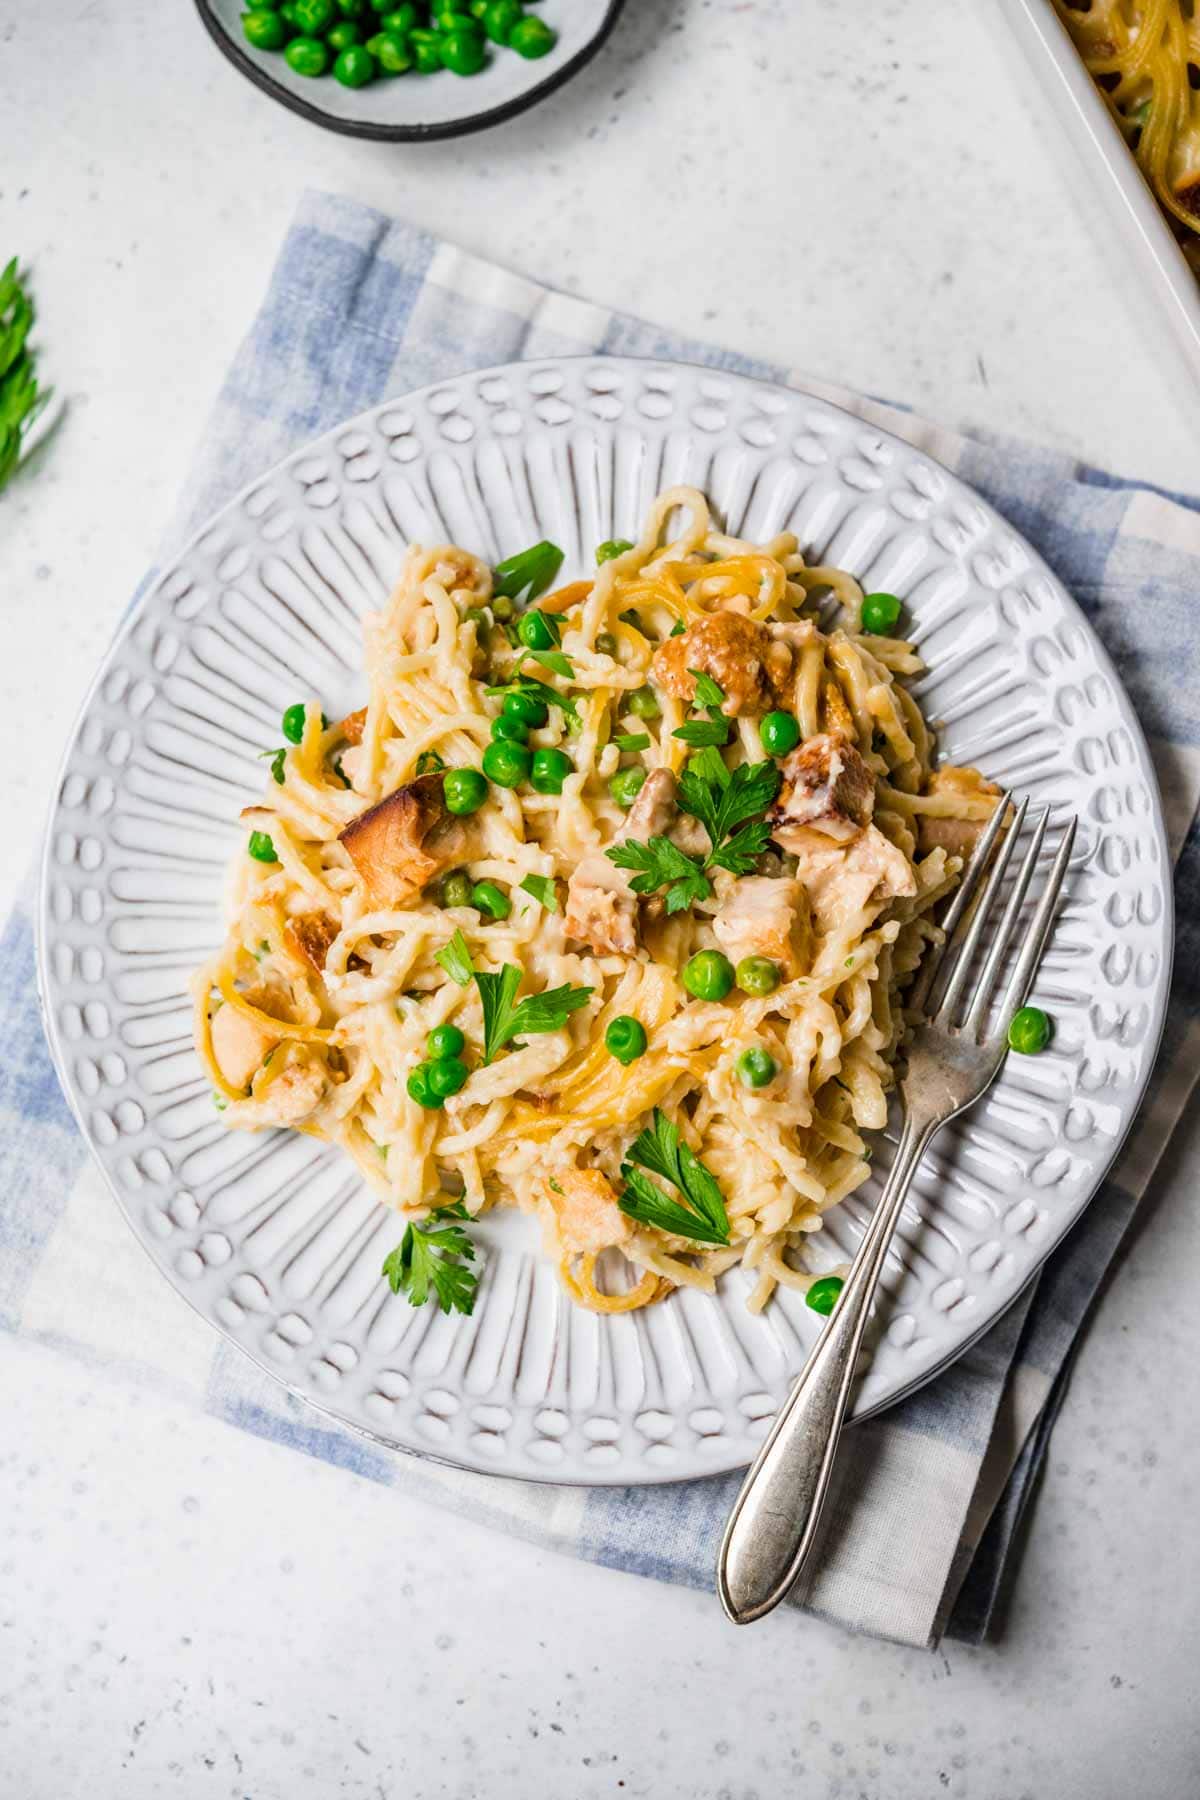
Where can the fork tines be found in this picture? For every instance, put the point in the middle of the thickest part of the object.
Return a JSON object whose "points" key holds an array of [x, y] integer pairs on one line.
{"points": [[969, 923]]}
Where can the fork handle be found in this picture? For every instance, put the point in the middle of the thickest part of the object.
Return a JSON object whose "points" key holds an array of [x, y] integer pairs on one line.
{"points": [[773, 1524]]}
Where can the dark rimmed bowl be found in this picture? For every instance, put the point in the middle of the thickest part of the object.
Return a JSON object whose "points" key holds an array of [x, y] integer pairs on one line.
{"points": [[408, 108]]}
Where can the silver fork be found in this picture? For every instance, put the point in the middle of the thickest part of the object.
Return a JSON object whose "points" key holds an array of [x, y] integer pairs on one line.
{"points": [[951, 1061]]}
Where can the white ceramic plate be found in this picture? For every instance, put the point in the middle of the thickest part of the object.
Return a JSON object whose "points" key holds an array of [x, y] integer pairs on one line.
{"points": [[408, 108], [272, 1237]]}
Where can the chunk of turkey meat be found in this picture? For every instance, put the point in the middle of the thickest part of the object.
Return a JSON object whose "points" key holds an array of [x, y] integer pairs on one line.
{"points": [[844, 878], [958, 837], [766, 916], [826, 787], [739, 653], [239, 1043], [586, 1212], [601, 909], [400, 844]]}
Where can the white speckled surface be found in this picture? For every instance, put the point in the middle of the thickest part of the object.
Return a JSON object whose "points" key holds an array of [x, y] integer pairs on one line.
{"points": [[187, 1611]]}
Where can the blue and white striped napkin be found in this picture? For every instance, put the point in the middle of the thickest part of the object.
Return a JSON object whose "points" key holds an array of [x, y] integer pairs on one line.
{"points": [[928, 1499]]}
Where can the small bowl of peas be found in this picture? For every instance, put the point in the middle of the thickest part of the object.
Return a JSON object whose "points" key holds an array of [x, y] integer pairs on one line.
{"points": [[408, 69]]}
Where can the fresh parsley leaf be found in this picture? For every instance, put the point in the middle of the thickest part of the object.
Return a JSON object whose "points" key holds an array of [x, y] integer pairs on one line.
{"points": [[701, 732], [434, 1255], [554, 660], [543, 891], [660, 1150], [340, 772], [429, 762], [658, 863], [709, 765], [632, 740], [276, 757], [708, 691], [751, 789], [725, 804], [540, 690], [455, 958], [21, 401], [611, 547], [529, 572], [505, 1018], [742, 849]]}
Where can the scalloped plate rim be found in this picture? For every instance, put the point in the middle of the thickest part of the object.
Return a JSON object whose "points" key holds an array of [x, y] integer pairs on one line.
{"points": [[43, 924]]}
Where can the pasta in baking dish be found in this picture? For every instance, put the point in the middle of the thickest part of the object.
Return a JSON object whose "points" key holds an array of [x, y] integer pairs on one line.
{"points": [[1145, 56], [602, 906]]}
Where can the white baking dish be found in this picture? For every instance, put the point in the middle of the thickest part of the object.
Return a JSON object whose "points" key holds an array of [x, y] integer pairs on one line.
{"points": [[1129, 202]]}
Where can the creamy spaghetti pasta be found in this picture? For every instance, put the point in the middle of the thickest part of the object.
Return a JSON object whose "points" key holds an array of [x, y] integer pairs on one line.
{"points": [[1145, 55], [751, 999]]}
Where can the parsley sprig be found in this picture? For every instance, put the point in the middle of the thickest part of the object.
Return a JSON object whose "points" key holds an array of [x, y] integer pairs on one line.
{"points": [[528, 573], [710, 733], [505, 1017], [21, 400], [538, 690], [434, 1255], [729, 805], [660, 1150]]}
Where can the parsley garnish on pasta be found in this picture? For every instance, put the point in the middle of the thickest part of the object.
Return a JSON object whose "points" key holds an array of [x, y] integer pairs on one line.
{"points": [[661, 1150], [434, 1255]]}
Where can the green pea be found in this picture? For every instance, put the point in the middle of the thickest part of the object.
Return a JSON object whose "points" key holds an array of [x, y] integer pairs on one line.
{"points": [[1030, 1031], [314, 17], [708, 975], [462, 52], [532, 38], [287, 12], [610, 548], [491, 900], [446, 1076], [511, 731], [401, 19], [536, 632], [476, 616], [756, 1067], [779, 733], [351, 9], [380, 6], [626, 785], [643, 703], [307, 56], [822, 1295], [499, 18], [456, 889], [355, 67], [265, 30], [880, 613], [757, 975], [526, 707], [502, 609], [292, 723], [445, 1040], [394, 57], [427, 60], [625, 1039], [420, 1088], [343, 35], [506, 764], [464, 790], [261, 847], [606, 643], [549, 770]]}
